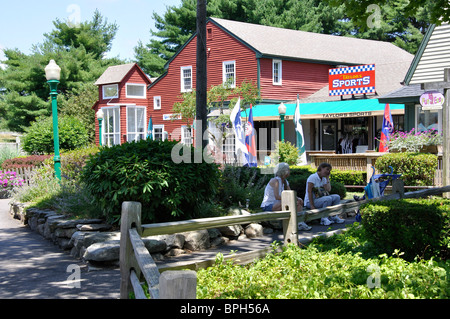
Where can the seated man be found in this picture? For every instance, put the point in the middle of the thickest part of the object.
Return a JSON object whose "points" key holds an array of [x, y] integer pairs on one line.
{"points": [[317, 193]]}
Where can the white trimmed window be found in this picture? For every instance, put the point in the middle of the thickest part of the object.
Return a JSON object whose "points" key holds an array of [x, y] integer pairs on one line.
{"points": [[277, 72], [135, 123], [186, 79], [158, 132], [186, 136], [110, 91], [111, 126], [229, 73], [135, 91], [156, 102]]}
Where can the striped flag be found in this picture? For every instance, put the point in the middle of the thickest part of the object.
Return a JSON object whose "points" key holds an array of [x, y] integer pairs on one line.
{"points": [[235, 118]]}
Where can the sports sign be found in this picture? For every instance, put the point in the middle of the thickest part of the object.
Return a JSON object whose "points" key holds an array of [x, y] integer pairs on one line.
{"points": [[352, 80]]}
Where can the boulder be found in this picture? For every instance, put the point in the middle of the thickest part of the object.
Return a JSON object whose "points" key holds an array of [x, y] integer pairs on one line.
{"points": [[253, 230], [103, 251], [154, 245], [94, 227], [231, 231], [172, 241], [197, 240]]}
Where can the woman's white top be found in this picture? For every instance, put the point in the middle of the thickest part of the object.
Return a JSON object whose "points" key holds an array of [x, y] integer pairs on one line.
{"points": [[269, 195]]}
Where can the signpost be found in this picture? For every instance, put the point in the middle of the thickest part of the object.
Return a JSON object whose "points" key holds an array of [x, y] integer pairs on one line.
{"points": [[434, 86]]}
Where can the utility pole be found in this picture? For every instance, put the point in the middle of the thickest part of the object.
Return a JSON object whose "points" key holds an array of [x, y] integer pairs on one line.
{"points": [[201, 87]]}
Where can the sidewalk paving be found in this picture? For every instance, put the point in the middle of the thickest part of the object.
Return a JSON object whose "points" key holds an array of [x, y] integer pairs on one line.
{"points": [[32, 267]]}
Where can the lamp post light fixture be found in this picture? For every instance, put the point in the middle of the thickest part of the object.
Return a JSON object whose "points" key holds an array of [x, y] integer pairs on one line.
{"points": [[100, 116], [53, 73], [282, 112]]}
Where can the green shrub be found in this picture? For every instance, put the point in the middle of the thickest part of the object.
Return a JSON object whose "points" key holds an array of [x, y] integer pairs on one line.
{"points": [[145, 172], [285, 152], [416, 227], [309, 273], [349, 177], [237, 184], [39, 136], [72, 162], [417, 169]]}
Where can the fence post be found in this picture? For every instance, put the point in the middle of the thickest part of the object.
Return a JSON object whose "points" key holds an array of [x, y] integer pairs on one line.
{"points": [[180, 284], [289, 202], [398, 186], [131, 217]]}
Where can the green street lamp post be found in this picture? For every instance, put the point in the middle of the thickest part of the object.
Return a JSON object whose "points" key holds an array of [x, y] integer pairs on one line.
{"points": [[100, 116], [282, 112], [53, 73]]}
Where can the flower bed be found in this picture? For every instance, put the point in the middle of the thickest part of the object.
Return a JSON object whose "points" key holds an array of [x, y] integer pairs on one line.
{"points": [[413, 141]]}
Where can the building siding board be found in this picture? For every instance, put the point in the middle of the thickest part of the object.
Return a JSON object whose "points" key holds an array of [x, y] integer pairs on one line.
{"points": [[435, 57], [297, 78]]}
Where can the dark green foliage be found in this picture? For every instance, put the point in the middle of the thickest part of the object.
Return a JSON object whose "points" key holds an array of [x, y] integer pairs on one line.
{"points": [[145, 172], [241, 183], [418, 227], [417, 169], [39, 136]]}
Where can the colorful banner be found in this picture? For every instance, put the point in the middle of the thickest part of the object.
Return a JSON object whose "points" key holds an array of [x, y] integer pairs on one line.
{"points": [[250, 141], [352, 80], [386, 129]]}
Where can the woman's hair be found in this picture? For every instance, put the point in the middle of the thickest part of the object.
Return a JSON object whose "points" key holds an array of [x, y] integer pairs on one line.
{"points": [[323, 165], [281, 169]]}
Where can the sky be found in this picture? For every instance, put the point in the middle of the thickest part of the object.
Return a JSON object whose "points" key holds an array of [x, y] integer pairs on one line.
{"points": [[23, 23]]}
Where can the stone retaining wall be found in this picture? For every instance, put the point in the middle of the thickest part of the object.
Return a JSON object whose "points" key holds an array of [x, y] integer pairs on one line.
{"points": [[95, 242]]}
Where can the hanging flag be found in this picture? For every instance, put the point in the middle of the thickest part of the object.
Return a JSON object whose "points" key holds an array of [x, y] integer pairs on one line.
{"points": [[235, 118], [386, 129], [250, 141], [299, 133], [150, 129]]}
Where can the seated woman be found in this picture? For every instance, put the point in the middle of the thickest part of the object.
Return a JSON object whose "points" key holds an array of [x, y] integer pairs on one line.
{"points": [[317, 193], [273, 190]]}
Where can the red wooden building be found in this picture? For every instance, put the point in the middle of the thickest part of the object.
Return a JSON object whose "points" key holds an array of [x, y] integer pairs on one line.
{"points": [[283, 63]]}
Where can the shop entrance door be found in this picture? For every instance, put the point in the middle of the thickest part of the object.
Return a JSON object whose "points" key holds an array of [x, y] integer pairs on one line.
{"points": [[329, 135]]}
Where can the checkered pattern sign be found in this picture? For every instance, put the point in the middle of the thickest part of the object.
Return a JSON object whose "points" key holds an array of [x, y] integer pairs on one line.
{"points": [[352, 80], [366, 90]]}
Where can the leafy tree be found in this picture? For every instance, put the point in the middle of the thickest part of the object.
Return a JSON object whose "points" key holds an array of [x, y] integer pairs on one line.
{"points": [[26, 94], [95, 36], [177, 24], [438, 11]]}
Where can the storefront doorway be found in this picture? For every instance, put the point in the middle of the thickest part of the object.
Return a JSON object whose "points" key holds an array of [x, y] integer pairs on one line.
{"points": [[329, 130]]}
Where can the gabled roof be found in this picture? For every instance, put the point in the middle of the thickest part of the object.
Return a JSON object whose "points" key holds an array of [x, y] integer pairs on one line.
{"points": [[312, 47], [432, 57], [116, 73]]}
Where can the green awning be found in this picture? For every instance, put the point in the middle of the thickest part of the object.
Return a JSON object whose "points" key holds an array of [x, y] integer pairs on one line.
{"points": [[324, 110]]}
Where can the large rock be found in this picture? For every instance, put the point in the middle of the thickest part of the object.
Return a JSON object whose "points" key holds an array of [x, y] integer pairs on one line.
{"points": [[197, 240], [154, 245], [231, 231], [82, 240], [254, 230], [174, 241], [104, 251]]}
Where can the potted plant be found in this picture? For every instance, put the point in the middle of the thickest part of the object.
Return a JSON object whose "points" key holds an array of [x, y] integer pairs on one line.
{"points": [[416, 141]]}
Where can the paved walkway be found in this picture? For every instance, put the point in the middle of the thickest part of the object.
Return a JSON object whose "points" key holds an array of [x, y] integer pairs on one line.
{"points": [[32, 267]]}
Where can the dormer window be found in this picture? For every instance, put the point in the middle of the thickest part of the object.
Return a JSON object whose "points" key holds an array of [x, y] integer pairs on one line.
{"points": [[110, 91], [135, 91]]}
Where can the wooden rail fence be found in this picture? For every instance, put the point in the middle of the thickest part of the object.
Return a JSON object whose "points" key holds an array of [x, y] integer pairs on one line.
{"points": [[136, 262]]}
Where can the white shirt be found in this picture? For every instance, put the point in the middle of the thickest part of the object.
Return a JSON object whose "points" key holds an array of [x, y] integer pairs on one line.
{"points": [[317, 182], [269, 195]]}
